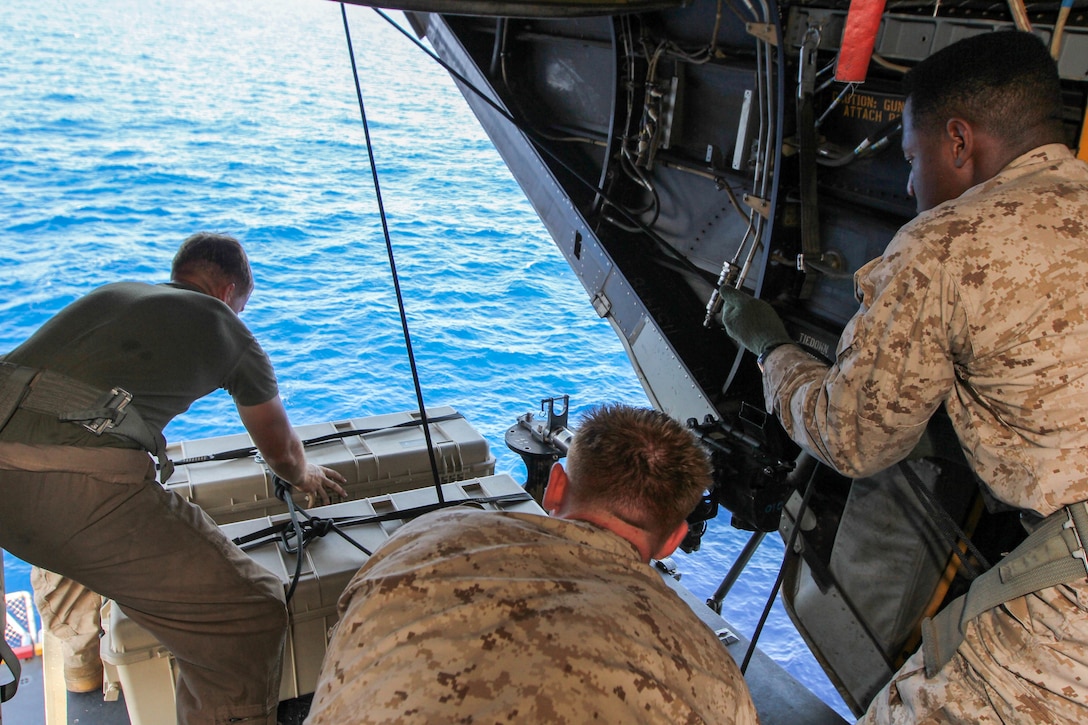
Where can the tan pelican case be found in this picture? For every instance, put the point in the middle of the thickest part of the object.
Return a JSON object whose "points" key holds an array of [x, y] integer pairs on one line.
{"points": [[391, 455]]}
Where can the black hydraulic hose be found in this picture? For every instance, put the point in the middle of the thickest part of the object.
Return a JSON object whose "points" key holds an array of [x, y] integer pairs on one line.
{"points": [[392, 261]]}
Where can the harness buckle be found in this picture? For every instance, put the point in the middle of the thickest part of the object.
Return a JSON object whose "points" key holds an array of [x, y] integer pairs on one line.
{"points": [[1071, 525], [116, 404]]}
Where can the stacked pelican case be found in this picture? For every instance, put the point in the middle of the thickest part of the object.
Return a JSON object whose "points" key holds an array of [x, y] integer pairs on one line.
{"points": [[389, 479]]}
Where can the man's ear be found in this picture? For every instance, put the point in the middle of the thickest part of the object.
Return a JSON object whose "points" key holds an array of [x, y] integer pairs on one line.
{"points": [[672, 542], [960, 136], [226, 292], [556, 489]]}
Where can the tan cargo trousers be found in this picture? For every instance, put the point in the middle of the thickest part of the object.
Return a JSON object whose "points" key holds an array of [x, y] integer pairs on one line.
{"points": [[97, 516]]}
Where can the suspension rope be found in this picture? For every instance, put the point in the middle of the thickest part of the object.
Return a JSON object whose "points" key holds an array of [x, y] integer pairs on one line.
{"points": [[392, 261]]}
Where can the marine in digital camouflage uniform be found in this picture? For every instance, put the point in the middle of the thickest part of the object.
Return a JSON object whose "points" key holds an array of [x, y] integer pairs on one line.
{"points": [[980, 304], [486, 616]]}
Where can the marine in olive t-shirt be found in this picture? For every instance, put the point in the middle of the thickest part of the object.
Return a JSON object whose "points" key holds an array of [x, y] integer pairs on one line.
{"points": [[167, 344]]}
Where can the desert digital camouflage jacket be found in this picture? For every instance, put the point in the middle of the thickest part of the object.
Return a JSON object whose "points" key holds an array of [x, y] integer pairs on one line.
{"points": [[981, 304], [485, 616]]}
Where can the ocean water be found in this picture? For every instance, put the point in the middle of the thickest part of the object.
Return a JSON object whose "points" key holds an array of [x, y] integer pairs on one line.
{"points": [[126, 125]]}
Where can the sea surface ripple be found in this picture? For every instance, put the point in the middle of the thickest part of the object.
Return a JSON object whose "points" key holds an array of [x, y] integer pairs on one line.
{"points": [[128, 124]]}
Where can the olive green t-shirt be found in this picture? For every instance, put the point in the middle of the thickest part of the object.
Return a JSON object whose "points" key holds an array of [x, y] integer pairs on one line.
{"points": [[167, 344]]}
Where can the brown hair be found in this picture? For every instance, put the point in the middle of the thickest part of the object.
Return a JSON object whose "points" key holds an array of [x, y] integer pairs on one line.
{"points": [[639, 464], [220, 255]]}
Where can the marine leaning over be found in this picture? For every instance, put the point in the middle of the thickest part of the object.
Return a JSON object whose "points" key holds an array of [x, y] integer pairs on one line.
{"points": [[498, 616], [980, 305], [82, 403]]}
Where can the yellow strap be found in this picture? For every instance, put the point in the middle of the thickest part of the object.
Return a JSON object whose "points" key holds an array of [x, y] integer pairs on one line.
{"points": [[1082, 152], [1053, 554]]}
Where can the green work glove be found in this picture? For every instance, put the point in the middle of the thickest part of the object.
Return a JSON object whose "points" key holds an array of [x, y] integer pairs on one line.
{"points": [[751, 322]]}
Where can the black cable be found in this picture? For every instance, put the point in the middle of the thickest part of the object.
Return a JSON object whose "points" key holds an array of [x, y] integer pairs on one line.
{"points": [[392, 261], [794, 533], [540, 146]]}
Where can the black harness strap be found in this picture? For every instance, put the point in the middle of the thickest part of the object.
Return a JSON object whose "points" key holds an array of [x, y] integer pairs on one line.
{"points": [[948, 528]]}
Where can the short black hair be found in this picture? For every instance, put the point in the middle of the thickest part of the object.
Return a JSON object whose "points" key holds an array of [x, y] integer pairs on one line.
{"points": [[1003, 81], [218, 254]]}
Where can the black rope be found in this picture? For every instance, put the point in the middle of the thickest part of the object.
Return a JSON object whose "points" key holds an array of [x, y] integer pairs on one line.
{"points": [[304, 532], [392, 261], [283, 492], [315, 527], [322, 527], [272, 533], [794, 533]]}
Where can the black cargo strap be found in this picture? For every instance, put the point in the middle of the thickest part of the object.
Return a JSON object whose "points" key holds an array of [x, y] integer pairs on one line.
{"points": [[7, 656], [275, 531], [53, 393], [1053, 554]]}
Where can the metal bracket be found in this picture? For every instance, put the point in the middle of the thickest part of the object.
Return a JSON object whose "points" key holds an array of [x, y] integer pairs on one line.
{"points": [[763, 31], [760, 206], [1072, 526], [117, 402], [601, 304]]}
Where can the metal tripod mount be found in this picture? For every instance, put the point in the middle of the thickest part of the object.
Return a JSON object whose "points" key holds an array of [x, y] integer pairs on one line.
{"points": [[541, 442]]}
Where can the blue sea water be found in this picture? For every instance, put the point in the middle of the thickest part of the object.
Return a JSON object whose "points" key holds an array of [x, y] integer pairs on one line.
{"points": [[125, 125]]}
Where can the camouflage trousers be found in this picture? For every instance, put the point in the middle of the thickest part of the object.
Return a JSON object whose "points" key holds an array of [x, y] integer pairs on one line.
{"points": [[70, 612], [1025, 661]]}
